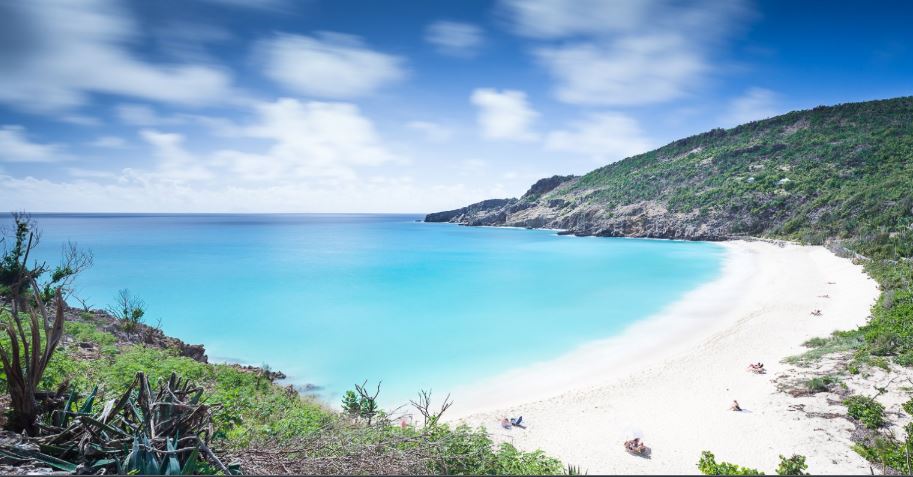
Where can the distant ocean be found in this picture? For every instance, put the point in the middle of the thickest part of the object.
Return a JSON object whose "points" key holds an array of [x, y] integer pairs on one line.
{"points": [[333, 300]]}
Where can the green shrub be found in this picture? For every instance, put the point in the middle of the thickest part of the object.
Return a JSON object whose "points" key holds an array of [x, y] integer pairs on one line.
{"points": [[890, 331], [128, 309], [908, 407], [709, 466], [815, 342], [838, 342], [821, 383], [890, 452], [794, 465], [467, 451], [905, 358], [865, 409]]}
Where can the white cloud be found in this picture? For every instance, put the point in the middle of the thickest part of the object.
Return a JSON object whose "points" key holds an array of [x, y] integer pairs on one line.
{"points": [[755, 104], [631, 71], [625, 52], [58, 52], [329, 65], [433, 132], [504, 114], [16, 147], [303, 140], [174, 162], [606, 137], [454, 38], [318, 138], [108, 142]]}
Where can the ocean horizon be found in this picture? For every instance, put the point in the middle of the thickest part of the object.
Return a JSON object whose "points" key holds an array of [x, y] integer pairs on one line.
{"points": [[334, 300]]}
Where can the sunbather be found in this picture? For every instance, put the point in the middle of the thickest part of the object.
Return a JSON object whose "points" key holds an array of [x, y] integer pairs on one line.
{"points": [[505, 423], [735, 406], [757, 368], [637, 447], [517, 422]]}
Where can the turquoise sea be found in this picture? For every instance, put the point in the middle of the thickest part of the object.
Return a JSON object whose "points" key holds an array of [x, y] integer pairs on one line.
{"points": [[333, 300]]}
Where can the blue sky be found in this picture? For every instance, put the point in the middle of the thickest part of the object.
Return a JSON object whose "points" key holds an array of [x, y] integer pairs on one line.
{"points": [[398, 106]]}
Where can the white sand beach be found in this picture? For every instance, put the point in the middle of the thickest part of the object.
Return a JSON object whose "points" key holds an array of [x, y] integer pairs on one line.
{"points": [[672, 378]]}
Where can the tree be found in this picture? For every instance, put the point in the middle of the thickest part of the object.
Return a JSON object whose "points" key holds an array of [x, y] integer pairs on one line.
{"points": [[28, 322], [128, 309]]}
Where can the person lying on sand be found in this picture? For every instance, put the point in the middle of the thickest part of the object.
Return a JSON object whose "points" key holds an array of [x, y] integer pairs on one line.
{"points": [[816, 312], [636, 447], [757, 368], [517, 422], [735, 406], [505, 423]]}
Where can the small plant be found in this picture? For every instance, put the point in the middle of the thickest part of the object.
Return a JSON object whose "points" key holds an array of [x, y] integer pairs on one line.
{"points": [[794, 465], [360, 404], [821, 383], [815, 342], [574, 470], [128, 309], [865, 409], [880, 362], [905, 359], [884, 344], [350, 404], [908, 407], [709, 466], [265, 373]]}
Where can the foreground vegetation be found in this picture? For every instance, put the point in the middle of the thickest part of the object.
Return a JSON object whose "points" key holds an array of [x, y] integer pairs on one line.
{"points": [[252, 414]]}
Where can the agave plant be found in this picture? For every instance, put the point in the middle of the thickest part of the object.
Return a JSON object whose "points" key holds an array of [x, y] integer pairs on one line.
{"points": [[141, 432]]}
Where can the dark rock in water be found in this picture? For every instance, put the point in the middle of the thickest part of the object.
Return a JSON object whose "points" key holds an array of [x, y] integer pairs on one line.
{"points": [[308, 388]]}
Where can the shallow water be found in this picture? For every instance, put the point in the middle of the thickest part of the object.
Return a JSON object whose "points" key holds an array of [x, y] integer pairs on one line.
{"points": [[333, 300]]}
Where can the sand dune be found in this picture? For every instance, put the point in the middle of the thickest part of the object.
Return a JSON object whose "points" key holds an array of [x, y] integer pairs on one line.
{"points": [[672, 378]]}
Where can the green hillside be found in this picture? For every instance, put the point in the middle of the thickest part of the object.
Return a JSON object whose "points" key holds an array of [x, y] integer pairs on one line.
{"points": [[843, 172]]}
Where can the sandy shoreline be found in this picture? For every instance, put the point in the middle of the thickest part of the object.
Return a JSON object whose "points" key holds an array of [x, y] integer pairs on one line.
{"points": [[673, 376]]}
